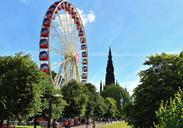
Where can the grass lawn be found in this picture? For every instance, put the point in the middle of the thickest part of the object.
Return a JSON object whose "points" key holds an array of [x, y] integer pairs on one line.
{"points": [[27, 126], [115, 125]]}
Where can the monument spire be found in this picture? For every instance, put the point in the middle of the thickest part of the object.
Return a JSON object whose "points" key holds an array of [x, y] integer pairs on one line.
{"points": [[110, 78]]}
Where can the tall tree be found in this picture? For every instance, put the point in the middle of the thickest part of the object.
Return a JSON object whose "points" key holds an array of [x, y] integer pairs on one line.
{"points": [[111, 107], [74, 95], [110, 78], [57, 102], [90, 105], [18, 77], [159, 82], [100, 107], [118, 93]]}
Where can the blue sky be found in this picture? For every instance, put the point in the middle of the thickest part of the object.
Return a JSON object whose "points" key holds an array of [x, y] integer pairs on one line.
{"points": [[134, 29]]}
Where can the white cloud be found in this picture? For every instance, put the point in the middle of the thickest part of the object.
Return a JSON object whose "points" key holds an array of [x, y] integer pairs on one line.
{"points": [[24, 1], [87, 17]]}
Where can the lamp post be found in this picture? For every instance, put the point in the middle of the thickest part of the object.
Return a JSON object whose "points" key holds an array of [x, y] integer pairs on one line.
{"points": [[121, 102], [49, 111], [50, 101]]}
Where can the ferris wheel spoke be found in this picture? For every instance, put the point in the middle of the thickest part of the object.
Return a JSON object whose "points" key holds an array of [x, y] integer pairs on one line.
{"points": [[57, 34], [60, 51], [69, 24], [57, 78], [63, 28], [68, 36], [56, 65], [62, 34], [77, 71], [72, 71], [68, 71], [62, 39], [69, 66], [65, 72], [56, 50], [65, 69], [58, 75], [75, 34], [60, 63], [71, 29], [57, 40]]}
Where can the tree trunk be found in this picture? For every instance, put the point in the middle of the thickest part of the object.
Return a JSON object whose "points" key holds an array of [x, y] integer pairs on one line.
{"points": [[94, 125], [1, 121], [35, 121], [19, 120], [86, 122], [8, 121]]}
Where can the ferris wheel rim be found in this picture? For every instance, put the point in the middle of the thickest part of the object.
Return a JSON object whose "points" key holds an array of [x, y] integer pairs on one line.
{"points": [[84, 37]]}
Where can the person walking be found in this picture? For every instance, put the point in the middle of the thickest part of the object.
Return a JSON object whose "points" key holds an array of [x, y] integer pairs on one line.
{"points": [[69, 123]]}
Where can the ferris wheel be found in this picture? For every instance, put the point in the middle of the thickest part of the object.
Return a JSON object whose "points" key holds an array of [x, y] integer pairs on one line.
{"points": [[63, 48]]}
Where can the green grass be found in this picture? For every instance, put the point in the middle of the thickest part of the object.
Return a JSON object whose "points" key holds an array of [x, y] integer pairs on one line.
{"points": [[27, 126], [115, 125]]}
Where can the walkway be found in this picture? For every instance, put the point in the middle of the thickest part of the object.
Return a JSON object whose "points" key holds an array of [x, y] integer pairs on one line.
{"points": [[91, 126]]}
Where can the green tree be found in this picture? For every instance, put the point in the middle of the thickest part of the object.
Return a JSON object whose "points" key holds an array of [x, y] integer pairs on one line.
{"points": [[100, 107], [18, 77], [58, 103], [111, 107], [23, 87], [36, 103], [90, 104], [170, 114], [159, 82], [74, 95], [118, 93]]}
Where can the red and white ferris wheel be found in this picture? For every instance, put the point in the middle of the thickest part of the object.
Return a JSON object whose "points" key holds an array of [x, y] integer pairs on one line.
{"points": [[63, 48]]}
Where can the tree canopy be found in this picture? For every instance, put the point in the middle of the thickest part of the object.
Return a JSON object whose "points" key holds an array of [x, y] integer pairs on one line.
{"points": [[18, 77], [23, 88], [119, 94], [91, 100], [74, 95], [100, 106], [160, 81], [170, 114], [49, 91], [111, 108]]}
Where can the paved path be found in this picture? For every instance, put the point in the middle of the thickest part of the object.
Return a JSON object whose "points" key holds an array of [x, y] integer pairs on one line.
{"points": [[91, 126]]}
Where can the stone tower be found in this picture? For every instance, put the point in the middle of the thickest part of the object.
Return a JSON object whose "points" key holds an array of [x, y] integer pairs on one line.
{"points": [[109, 78]]}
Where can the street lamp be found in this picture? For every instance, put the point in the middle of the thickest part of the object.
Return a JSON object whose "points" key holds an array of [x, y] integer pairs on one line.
{"points": [[121, 102], [50, 101]]}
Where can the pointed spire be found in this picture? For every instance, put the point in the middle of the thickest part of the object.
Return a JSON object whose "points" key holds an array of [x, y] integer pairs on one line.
{"points": [[109, 79], [101, 87], [110, 54]]}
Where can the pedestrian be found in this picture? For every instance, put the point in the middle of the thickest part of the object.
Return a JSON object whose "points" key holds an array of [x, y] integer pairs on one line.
{"points": [[69, 123], [54, 124]]}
